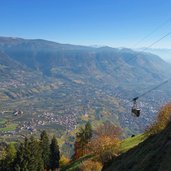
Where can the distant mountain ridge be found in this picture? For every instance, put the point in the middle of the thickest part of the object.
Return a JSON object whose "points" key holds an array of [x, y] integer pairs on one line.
{"points": [[9, 68], [70, 61], [71, 81], [17, 80], [164, 53]]}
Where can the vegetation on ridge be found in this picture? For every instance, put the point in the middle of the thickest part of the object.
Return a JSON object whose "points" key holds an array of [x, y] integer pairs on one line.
{"points": [[94, 148], [153, 153]]}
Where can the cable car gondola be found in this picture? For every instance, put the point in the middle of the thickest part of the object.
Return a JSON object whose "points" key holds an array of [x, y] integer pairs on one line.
{"points": [[135, 110]]}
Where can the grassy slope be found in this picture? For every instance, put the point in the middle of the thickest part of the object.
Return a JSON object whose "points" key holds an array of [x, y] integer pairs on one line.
{"points": [[131, 142], [125, 146], [153, 154]]}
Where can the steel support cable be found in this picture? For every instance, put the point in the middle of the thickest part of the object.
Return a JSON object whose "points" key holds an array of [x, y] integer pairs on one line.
{"points": [[152, 44], [154, 88], [149, 34], [164, 82]]}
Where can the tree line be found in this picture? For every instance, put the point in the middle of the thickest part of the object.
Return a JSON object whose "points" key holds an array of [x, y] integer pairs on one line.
{"points": [[102, 143], [31, 155]]}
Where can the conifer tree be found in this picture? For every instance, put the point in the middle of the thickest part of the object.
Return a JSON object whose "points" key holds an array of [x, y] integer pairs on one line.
{"points": [[83, 137], [29, 156], [88, 132], [55, 154], [21, 160], [45, 147], [35, 159]]}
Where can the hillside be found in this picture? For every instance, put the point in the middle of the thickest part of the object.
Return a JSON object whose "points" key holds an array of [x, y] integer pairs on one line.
{"points": [[153, 154], [8, 68], [60, 86], [17, 80], [163, 53], [70, 62], [126, 144]]}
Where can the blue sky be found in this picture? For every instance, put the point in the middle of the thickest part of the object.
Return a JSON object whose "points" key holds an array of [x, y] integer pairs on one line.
{"points": [[117, 23]]}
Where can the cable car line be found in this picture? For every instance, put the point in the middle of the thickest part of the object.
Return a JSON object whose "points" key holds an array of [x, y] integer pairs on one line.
{"points": [[156, 29], [146, 48], [134, 57], [152, 44], [158, 40], [159, 85], [135, 110]]}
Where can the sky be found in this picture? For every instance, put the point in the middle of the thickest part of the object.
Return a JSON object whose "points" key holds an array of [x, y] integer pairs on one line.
{"points": [[116, 23]]}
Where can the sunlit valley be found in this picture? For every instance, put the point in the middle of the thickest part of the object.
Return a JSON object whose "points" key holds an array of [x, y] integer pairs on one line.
{"points": [[69, 106]]}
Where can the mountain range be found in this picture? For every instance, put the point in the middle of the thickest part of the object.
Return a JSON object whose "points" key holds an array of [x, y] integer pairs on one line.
{"points": [[62, 60], [164, 53], [62, 85]]}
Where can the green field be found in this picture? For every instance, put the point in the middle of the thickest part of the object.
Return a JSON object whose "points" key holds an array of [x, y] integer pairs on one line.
{"points": [[2, 121], [8, 127]]}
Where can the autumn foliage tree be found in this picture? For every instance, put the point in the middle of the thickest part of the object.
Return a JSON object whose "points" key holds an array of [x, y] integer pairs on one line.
{"points": [[90, 165], [7, 157], [163, 118], [106, 142], [108, 129], [63, 161]]}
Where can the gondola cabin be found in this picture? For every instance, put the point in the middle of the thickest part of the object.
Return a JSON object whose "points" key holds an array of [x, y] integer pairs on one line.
{"points": [[135, 110]]}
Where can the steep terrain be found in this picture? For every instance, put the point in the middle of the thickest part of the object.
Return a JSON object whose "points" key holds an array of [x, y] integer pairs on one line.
{"points": [[9, 67], [17, 80], [154, 154], [58, 86], [70, 62], [163, 53]]}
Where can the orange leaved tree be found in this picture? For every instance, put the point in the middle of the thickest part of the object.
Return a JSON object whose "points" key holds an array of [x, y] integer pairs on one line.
{"points": [[163, 118], [106, 142]]}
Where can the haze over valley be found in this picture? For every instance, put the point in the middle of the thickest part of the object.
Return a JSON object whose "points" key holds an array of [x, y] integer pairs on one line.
{"points": [[163, 53], [85, 85], [48, 85]]}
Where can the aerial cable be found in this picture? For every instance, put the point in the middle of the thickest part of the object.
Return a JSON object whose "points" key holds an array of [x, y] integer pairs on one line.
{"points": [[135, 110], [144, 49], [166, 81], [152, 32], [157, 41], [154, 88], [152, 44]]}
